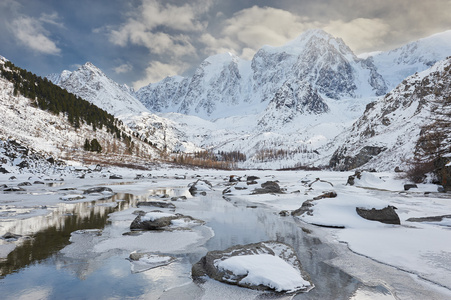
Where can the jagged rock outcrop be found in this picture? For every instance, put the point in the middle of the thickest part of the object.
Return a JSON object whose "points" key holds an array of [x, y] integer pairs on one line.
{"points": [[290, 101]]}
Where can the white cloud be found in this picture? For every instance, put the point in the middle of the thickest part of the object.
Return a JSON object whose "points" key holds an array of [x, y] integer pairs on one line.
{"points": [[124, 68], [30, 32], [157, 71], [75, 66], [182, 18], [360, 34], [251, 28]]}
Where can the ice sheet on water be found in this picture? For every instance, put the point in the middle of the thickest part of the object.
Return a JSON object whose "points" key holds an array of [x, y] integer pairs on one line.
{"points": [[148, 261]]}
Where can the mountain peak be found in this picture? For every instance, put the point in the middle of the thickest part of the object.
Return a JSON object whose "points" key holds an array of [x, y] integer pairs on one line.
{"points": [[91, 84], [308, 34], [91, 67], [222, 58], [313, 38]]}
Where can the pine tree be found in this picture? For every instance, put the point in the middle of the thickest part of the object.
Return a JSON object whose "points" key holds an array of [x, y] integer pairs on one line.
{"points": [[95, 146]]}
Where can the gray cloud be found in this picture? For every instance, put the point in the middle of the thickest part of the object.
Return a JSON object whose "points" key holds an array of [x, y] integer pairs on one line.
{"points": [[359, 34], [156, 71], [124, 68]]}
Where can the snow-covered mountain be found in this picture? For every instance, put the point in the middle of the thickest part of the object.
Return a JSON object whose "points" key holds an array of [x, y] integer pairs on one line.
{"points": [[386, 134], [91, 84], [300, 99], [413, 57], [225, 85]]}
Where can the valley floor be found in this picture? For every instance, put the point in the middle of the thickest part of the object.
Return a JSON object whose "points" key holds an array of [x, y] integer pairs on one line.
{"points": [[363, 260]]}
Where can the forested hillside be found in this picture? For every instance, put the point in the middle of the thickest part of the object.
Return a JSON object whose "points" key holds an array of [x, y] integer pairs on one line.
{"points": [[41, 115], [56, 100]]}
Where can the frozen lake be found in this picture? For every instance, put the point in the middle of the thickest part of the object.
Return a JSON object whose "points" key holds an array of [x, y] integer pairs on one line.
{"points": [[58, 256]]}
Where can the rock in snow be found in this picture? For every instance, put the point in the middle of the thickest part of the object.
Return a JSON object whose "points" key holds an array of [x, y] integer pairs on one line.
{"points": [[157, 220], [261, 266], [386, 215]]}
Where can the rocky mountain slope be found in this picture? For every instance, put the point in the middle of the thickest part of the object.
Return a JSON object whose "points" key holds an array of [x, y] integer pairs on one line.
{"points": [[386, 135], [225, 85]]}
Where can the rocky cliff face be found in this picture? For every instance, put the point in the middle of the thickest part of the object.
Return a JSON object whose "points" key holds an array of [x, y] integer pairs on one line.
{"points": [[290, 101]]}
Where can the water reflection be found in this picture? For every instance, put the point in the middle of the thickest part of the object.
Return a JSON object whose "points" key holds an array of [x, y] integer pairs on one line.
{"points": [[51, 233]]}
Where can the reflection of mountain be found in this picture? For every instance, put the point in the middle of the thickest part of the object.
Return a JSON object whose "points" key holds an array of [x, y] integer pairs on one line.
{"points": [[52, 233]]}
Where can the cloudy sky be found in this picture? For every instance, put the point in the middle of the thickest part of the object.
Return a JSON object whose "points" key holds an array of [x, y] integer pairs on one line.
{"points": [[141, 41]]}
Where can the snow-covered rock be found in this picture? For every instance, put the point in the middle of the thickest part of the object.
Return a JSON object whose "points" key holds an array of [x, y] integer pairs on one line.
{"points": [[265, 265]]}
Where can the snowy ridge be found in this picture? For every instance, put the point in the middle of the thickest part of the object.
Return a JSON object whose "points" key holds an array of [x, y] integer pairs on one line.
{"points": [[52, 135], [225, 85], [385, 136], [417, 56]]}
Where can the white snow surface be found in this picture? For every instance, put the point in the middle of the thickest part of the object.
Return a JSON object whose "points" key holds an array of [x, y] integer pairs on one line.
{"points": [[421, 249], [264, 269], [150, 261]]}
